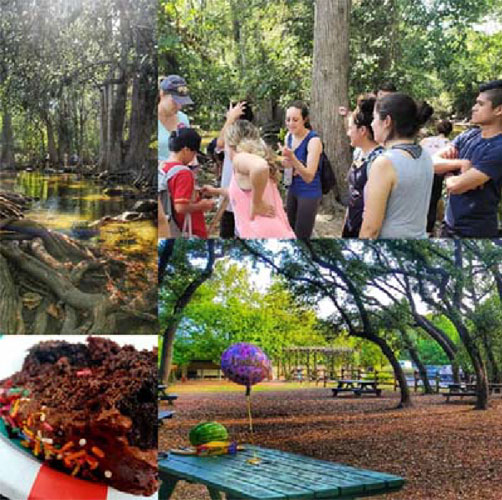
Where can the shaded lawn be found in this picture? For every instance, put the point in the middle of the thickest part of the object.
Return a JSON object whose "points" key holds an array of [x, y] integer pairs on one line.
{"points": [[444, 451], [191, 387], [199, 386]]}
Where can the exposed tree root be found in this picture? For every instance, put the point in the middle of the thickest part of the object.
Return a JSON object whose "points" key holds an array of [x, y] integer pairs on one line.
{"points": [[50, 283]]}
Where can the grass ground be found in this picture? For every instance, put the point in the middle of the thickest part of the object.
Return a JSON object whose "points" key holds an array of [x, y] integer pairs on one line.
{"points": [[444, 451]]}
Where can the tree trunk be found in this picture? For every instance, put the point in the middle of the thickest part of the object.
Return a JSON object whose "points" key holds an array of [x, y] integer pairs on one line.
{"points": [[81, 123], [176, 316], [405, 401], [330, 85], [418, 363], [51, 141], [103, 125], [482, 390], [237, 7], [116, 121], [142, 119], [471, 346], [448, 346], [7, 156], [11, 320], [167, 352], [492, 365], [64, 128]]}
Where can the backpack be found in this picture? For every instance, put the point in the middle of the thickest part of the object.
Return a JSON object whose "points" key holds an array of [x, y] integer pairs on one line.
{"points": [[326, 174], [328, 179], [167, 204]]}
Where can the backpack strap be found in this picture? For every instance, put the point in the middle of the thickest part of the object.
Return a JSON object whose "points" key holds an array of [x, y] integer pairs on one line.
{"points": [[167, 202], [176, 170]]}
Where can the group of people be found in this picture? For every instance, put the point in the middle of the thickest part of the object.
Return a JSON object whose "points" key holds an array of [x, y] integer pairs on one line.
{"points": [[395, 181]]}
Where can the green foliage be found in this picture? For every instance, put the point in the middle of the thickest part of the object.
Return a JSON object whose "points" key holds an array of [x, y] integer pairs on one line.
{"points": [[429, 351], [262, 51], [55, 57], [231, 308], [236, 49]]}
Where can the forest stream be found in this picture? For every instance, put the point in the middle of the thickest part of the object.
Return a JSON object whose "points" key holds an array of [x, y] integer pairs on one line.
{"points": [[67, 203]]}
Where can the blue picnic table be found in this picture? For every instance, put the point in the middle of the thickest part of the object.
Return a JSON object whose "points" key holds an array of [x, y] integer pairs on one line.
{"points": [[279, 476]]}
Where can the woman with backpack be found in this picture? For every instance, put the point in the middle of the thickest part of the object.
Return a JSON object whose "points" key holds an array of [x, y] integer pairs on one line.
{"points": [[399, 186], [302, 151], [178, 185]]}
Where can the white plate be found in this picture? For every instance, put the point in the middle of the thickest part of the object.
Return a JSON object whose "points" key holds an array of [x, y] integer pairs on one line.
{"points": [[19, 471]]}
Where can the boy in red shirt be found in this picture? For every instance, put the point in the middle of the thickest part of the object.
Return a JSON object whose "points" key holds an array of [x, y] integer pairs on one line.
{"points": [[184, 145]]}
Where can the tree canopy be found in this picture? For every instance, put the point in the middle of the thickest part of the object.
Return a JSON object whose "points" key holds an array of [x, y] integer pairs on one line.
{"points": [[437, 50], [67, 68], [428, 299]]}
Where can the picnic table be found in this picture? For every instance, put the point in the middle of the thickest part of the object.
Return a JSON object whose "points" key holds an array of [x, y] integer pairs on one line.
{"points": [[358, 387], [279, 476], [163, 415], [460, 390], [495, 388], [162, 395]]}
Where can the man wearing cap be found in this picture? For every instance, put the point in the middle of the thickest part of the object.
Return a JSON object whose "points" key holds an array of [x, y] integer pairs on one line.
{"points": [[173, 95]]}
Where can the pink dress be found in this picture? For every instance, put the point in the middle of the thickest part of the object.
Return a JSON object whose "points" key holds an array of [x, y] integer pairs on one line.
{"points": [[261, 227]]}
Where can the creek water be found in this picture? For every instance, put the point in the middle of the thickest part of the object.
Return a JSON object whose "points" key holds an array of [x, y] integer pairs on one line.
{"points": [[64, 202]]}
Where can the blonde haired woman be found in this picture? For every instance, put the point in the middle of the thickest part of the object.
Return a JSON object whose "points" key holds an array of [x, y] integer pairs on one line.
{"points": [[253, 189]]}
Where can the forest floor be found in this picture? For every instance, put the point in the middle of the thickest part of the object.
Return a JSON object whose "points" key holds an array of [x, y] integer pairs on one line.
{"points": [[52, 283], [444, 451]]}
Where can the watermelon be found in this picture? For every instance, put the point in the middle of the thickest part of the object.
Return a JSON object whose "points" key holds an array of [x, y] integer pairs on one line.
{"points": [[206, 432]]}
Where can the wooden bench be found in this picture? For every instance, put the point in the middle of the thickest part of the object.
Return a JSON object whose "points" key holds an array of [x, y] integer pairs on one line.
{"points": [[163, 415], [279, 475], [377, 391]]}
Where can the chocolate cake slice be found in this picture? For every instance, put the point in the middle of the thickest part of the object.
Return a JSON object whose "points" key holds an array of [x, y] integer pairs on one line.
{"points": [[88, 409]]}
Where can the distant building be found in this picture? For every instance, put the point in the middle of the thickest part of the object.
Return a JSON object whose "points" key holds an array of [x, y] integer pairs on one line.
{"points": [[199, 369]]}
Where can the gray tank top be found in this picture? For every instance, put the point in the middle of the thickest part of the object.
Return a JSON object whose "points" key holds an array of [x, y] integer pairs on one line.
{"points": [[408, 203]]}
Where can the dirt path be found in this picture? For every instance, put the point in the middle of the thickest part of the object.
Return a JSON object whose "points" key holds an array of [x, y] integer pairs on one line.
{"points": [[444, 451]]}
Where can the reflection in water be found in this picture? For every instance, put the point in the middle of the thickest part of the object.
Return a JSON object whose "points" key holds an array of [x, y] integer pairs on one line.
{"points": [[136, 237], [63, 201]]}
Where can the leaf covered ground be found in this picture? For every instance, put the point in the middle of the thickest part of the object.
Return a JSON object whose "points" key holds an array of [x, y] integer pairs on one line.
{"points": [[444, 451]]}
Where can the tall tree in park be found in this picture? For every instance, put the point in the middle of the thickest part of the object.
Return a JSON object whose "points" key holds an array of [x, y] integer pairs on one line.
{"points": [[183, 274], [232, 307], [401, 289], [330, 81], [449, 281], [319, 270]]}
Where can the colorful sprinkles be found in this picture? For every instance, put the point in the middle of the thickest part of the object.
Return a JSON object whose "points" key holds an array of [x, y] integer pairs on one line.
{"points": [[73, 459]]}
